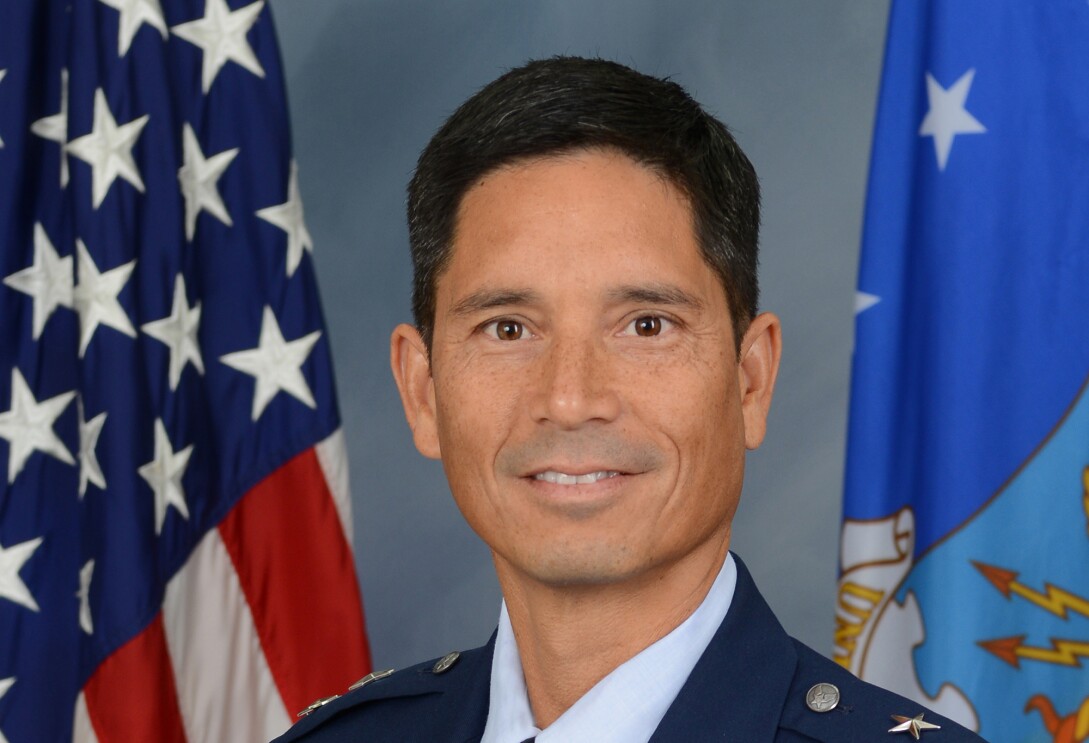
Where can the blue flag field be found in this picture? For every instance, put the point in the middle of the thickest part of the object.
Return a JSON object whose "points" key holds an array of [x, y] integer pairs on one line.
{"points": [[964, 567]]}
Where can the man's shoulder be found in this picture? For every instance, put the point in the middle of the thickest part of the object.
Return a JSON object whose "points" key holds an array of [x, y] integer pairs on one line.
{"points": [[828, 703], [427, 701]]}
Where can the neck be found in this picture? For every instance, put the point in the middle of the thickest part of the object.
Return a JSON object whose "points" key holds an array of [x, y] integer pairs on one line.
{"points": [[571, 636]]}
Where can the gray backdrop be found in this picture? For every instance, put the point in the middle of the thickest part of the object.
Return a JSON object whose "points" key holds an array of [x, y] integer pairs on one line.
{"points": [[370, 80]]}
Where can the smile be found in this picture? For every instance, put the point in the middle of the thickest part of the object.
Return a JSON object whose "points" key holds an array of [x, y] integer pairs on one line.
{"points": [[562, 478]]}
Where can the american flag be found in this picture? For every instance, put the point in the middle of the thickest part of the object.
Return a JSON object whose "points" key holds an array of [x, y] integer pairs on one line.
{"points": [[175, 537]]}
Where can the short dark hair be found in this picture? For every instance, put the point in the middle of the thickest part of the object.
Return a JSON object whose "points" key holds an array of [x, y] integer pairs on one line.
{"points": [[552, 106]]}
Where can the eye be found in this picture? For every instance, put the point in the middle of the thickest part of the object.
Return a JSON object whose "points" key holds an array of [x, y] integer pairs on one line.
{"points": [[505, 330], [648, 326]]}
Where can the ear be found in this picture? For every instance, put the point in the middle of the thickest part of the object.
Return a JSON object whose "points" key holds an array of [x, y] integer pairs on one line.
{"points": [[412, 371], [761, 349]]}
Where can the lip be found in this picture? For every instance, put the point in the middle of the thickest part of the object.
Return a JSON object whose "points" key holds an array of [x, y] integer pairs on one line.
{"points": [[581, 468]]}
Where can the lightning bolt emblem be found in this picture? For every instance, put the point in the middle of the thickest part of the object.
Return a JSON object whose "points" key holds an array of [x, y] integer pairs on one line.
{"points": [[1062, 652], [1054, 600]]}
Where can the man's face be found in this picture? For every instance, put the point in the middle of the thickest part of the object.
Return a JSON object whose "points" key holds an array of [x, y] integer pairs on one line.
{"points": [[584, 392]]}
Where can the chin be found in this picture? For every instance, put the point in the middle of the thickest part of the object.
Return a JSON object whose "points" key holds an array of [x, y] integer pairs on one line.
{"points": [[593, 564]]}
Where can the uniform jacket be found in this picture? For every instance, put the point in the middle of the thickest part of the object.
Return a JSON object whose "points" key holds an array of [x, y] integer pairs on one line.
{"points": [[749, 686]]}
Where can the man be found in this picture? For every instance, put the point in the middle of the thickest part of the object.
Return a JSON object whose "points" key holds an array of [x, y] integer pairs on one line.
{"points": [[589, 365]]}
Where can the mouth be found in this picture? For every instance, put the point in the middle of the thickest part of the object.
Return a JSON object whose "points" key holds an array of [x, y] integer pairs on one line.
{"points": [[565, 478], [579, 490]]}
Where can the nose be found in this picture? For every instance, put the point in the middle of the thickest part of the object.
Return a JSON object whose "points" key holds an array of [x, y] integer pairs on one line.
{"points": [[576, 384]]}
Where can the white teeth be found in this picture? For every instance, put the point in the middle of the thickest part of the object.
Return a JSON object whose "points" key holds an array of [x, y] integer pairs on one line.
{"points": [[562, 478]]}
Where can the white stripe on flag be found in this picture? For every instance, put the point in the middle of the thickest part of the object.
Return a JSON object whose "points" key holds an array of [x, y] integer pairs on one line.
{"points": [[82, 730], [225, 688], [333, 458]]}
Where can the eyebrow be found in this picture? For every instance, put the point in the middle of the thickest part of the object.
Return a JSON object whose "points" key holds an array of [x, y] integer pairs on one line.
{"points": [[487, 299], [655, 293], [652, 293]]}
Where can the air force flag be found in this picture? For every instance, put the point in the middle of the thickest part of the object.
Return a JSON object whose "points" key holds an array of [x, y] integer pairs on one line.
{"points": [[965, 551]]}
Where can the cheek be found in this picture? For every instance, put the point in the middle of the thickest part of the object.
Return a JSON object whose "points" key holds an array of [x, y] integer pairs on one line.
{"points": [[476, 410], [709, 428]]}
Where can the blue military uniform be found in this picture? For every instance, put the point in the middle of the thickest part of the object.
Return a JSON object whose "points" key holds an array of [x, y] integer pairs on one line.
{"points": [[750, 685]]}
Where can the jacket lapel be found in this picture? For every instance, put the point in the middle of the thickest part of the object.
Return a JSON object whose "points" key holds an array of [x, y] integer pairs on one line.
{"points": [[737, 689]]}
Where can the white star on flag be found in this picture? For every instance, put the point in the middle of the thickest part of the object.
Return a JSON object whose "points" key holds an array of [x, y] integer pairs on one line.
{"points": [[275, 364], [28, 425], [178, 331], [5, 684], [221, 36], [864, 301], [108, 149], [84, 596], [198, 177], [164, 476], [289, 218], [2, 74], [135, 13], [48, 280], [12, 560], [55, 128], [947, 116], [89, 469], [96, 297]]}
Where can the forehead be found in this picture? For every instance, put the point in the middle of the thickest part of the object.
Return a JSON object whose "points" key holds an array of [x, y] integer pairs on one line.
{"points": [[592, 214]]}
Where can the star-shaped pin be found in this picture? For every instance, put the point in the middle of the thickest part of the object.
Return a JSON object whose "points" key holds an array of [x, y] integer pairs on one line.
{"points": [[289, 218], [12, 560], [28, 425], [96, 297], [275, 364], [89, 469], [198, 177], [135, 13], [221, 36], [178, 331], [2, 74], [48, 280], [55, 128], [108, 150], [164, 476], [84, 596], [912, 725], [947, 116]]}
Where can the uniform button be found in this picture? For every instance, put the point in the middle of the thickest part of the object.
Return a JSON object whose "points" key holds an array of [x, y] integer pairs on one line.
{"points": [[369, 678], [446, 662], [822, 697], [315, 705]]}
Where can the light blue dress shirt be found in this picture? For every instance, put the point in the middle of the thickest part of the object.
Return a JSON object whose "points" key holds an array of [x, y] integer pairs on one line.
{"points": [[624, 707]]}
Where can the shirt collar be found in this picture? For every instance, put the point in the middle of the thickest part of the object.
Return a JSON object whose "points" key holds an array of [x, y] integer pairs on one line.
{"points": [[625, 706]]}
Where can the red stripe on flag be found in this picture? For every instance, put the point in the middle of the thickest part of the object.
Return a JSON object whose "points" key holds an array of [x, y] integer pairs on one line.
{"points": [[296, 570], [132, 695]]}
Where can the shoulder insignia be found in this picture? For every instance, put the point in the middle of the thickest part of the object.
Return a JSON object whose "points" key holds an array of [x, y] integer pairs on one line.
{"points": [[369, 678], [315, 705], [912, 725]]}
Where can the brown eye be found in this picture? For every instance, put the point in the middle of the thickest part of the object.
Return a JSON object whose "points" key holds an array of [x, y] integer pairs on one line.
{"points": [[508, 330], [648, 326]]}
